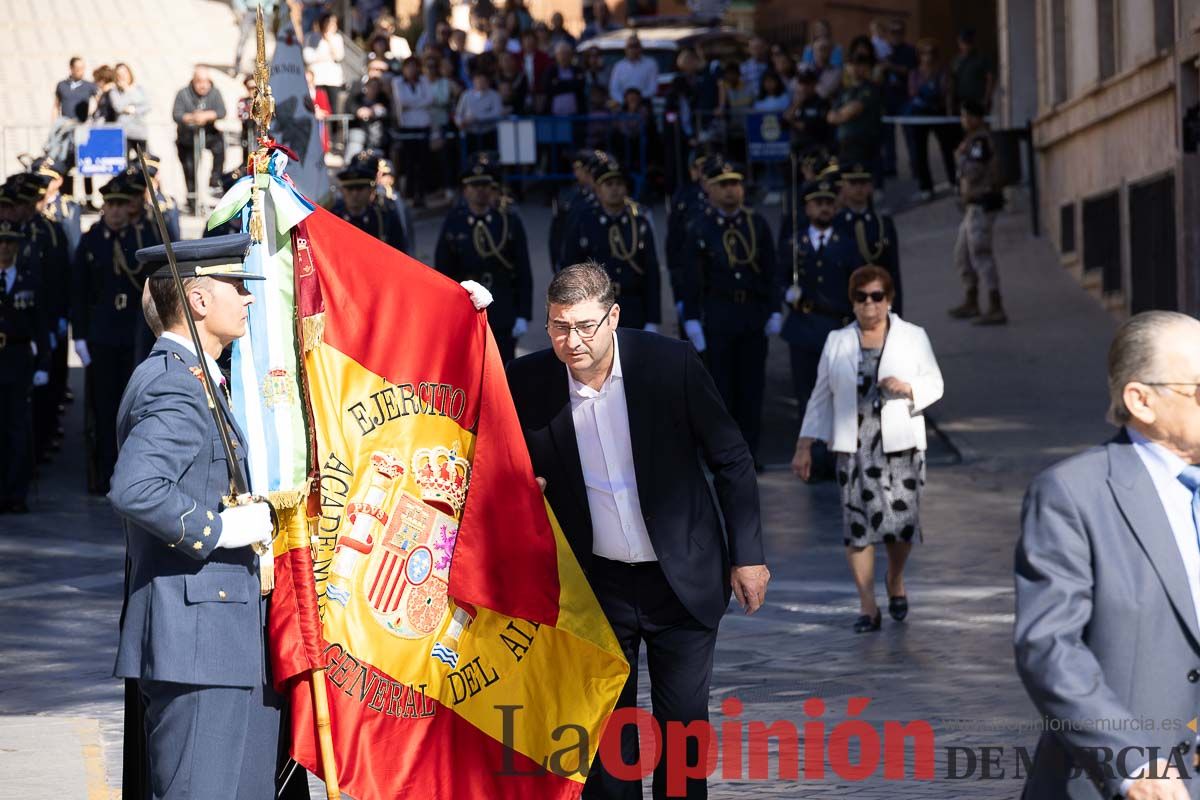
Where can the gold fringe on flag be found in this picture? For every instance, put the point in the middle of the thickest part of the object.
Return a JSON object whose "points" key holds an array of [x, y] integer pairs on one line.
{"points": [[313, 330]]}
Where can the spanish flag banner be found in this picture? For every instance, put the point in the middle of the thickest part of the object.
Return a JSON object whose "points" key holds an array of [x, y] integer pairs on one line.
{"points": [[465, 654]]}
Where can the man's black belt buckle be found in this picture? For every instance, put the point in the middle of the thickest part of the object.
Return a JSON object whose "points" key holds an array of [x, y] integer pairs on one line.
{"points": [[740, 296]]}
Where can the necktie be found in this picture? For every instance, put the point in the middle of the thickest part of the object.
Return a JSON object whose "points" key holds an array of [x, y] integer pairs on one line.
{"points": [[1190, 477]]}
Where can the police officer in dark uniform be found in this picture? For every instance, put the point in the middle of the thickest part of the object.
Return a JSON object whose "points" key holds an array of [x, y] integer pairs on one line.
{"points": [[385, 190], [569, 200], [48, 243], [731, 296], [615, 232], [166, 203], [24, 364], [359, 206], [56, 206], [484, 240], [107, 320], [687, 205], [815, 270], [873, 234], [141, 225]]}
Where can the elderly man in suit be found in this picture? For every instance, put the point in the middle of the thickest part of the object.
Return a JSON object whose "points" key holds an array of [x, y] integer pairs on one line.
{"points": [[617, 422], [1108, 584], [192, 632]]}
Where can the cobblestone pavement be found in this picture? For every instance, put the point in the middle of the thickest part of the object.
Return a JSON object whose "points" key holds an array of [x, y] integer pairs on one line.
{"points": [[1017, 398]]}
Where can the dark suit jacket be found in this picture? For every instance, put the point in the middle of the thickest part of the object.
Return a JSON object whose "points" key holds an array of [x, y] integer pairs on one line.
{"points": [[676, 419]]}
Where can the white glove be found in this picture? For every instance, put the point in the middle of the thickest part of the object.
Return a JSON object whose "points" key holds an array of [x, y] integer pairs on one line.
{"points": [[82, 351], [793, 294], [41, 378], [62, 327], [33, 348], [481, 298], [651, 327], [245, 525], [695, 334], [520, 327], [679, 309], [774, 325], [53, 342]]}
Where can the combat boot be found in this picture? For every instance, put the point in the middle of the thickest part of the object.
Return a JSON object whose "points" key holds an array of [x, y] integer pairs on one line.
{"points": [[969, 307], [995, 313]]}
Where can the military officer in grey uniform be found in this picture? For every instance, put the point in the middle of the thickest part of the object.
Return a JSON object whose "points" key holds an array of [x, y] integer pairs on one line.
{"points": [[814, 270], [106, 321], [192, 633], [731, 298], [359, 206], [873, 234], [484, 240], [24, 363], [616, 233]]}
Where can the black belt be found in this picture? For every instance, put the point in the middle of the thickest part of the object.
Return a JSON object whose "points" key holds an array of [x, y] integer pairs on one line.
{"points": [[738, 296]]}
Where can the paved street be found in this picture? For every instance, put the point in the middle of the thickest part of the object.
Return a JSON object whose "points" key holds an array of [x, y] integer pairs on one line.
{"points": [[1017, 398]]}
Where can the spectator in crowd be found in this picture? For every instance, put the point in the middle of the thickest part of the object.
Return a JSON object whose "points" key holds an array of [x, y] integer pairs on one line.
{"points": [[772, 96], [900, 61], [875, 378], [501, 40], [73, 93], [635, 125], [320, 106], [132, 106], [681, 120], [599, 123], [478, 109], [564, 82], [708, 78], [972, 77], [459, 56], [829, 75], [756, 64], [444, 89], [821, 29], [413, 97], [928, 96], [370, 110], [197, 108], [595, 73], [324, 52], [534, 63], [634, 70], [785, 67], [879, 40], [440, 41], [105, 79], [541, 33], [246, 12], [601, 22], [522, 20], [385, 43], [311, 12], [807, 117], [858, 115], [244, 108], [514, 89], [735, 96], [558, 30]]}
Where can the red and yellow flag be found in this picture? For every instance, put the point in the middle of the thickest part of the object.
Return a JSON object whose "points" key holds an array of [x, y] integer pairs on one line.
{"points": [[466, 655]]}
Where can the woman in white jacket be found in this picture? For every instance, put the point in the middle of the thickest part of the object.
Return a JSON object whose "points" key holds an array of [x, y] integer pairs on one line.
{"points": [[875, 378]]}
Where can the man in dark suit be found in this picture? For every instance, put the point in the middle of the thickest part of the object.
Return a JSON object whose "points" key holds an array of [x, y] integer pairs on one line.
{"points": [[192, 629], [617, 422], [1108, 584]]}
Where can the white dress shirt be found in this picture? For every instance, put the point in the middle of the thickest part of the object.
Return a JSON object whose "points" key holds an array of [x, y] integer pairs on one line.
{"points": [[10, 277], [213, 368], [606, 455], [641, 74], [818, 237]]}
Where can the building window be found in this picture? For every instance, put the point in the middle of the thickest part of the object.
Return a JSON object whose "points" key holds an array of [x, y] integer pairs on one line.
{"points": [[1106, 26], [1102, 239], [1066, 228], [1152, 269], [1164, 24]]}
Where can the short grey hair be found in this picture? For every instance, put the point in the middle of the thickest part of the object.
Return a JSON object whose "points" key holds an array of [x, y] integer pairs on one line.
{"points": [[1136, 354], [581, 283]]}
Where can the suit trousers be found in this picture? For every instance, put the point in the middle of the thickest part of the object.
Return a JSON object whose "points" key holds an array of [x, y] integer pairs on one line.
{"points": [[109, 372], [641, 607], [210, 741], [737, 361]]}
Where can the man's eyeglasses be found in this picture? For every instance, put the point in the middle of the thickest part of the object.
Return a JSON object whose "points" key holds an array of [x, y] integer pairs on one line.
{"points": [[1194, 393], [586, 330], [874, 297]]}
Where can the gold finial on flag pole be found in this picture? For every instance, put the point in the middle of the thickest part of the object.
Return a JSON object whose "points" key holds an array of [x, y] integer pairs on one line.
{"points": [[262, 111]]}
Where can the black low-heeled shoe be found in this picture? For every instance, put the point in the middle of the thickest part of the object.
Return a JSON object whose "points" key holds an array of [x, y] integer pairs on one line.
{"points": [[898, 607], [866, 624]]}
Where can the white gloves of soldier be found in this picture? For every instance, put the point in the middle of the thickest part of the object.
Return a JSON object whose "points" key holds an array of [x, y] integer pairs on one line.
{"points": [[481, 298], [520, 327], [695, 334], [774, 325], [245, 525], [679, 309], [651, 327], [792, 295], [82, 351], [41, 378]]}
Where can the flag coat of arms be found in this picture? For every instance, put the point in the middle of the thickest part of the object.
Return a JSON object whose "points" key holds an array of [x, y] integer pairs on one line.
{"points": [[465, 654]]}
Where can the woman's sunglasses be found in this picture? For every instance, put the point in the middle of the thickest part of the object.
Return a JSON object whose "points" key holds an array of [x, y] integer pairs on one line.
{"points": [[874, 297]]}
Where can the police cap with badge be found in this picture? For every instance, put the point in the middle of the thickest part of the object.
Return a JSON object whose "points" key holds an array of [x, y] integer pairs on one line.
{"points": [[356, 176], [718, 169], [48, 167], [118, 190], [605, 166], [821, 189], [214, 257], [10, 232], [481, 169], [855, 171]]}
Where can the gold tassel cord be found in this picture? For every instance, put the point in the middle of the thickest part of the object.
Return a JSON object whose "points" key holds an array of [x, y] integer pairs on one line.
{"points": [[313, 331]]}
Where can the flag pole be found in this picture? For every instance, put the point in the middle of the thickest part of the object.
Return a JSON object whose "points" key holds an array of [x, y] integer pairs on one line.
{"points": [[262, 110]]}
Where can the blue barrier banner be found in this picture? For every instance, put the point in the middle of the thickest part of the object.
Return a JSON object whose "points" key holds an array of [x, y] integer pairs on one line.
{"points": [[100, 151], [766, 137]]}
